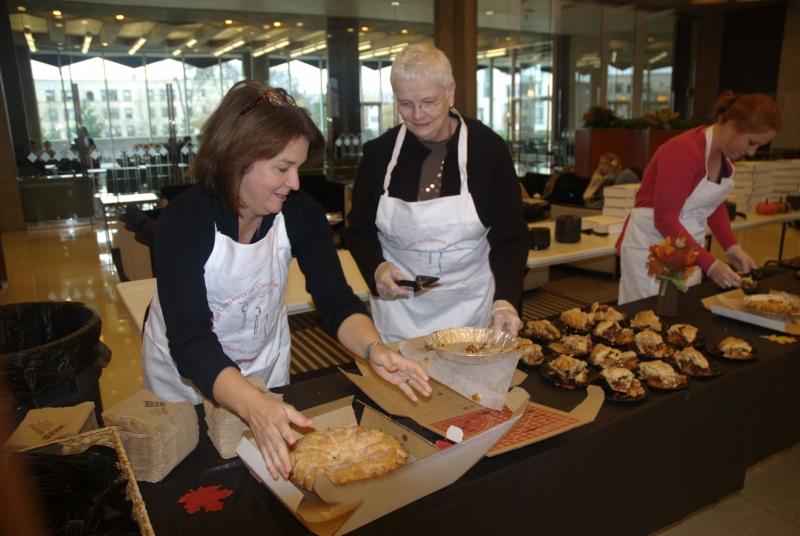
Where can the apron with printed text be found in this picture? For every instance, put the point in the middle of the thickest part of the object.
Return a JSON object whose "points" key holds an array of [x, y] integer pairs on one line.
{"points": [[245, 287], [441, 237], [640, 233]]}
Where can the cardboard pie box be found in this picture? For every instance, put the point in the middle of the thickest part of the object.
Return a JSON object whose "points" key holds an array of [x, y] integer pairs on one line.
{"points": [[445, 409], [729, 304], [332, 509]]}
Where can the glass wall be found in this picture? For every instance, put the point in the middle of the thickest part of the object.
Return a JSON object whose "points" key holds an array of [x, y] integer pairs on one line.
{"points": [[619, 46], [658, 59]]}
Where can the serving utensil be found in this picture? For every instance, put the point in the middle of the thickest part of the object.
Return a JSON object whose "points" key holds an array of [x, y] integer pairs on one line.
{"points": [[419, 283]]}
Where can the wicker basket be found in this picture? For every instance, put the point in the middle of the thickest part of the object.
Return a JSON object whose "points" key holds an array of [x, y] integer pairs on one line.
{"points": [[109, 437]]}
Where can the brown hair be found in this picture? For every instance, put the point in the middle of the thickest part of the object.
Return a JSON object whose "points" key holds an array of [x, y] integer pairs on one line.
{"points": [[253, 122], [751, 113]]}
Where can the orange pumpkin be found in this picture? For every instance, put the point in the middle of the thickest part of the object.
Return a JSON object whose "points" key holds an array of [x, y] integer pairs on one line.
{"points": [[766, 208]]}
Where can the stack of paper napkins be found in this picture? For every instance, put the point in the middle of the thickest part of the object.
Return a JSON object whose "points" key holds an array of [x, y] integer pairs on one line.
{"points": [[157, 435], [619, 200], [44, 425], [225, 428]]}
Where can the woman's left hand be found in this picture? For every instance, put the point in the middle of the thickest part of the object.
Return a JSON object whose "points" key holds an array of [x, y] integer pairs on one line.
{"points": [[741, 261], [399, 371], [505, 318]]}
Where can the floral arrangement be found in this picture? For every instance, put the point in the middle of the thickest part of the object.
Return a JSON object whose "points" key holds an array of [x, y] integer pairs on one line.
{"points": [[672, 261], [600, 117], [662, 119]]}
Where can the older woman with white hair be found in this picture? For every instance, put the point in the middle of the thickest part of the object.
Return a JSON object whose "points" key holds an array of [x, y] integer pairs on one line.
{"points": [[437, 196]]}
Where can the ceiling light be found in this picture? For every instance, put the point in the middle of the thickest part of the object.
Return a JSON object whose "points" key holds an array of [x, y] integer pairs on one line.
{"points": [[365, 28], [29, 39], [191, 42], [531, 93], [56, 13], [266, 26], [104, 44], [386, 51], [351, 30], [84, 22], [227, 48], [308, 49], [270, 47], [59, 25], [137, 45], [658, 57], [277, 24], [493, 53], [176, 52], [228, 21], [364, 45], [395, 4], [299, 24], [119, 16], [404, 31], [489, 13], [22, 9], [87, 42]]}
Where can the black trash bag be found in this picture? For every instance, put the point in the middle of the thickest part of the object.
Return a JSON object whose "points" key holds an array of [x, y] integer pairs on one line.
{"points": [[43, 344], [81, 493]]}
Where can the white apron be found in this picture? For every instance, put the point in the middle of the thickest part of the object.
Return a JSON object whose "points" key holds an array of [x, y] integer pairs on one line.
{"points": [[641, 233], [441, 237], [245, 287]]}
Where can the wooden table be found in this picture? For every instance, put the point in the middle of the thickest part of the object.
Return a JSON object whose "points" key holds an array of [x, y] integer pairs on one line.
{"points": [[136, 295]]}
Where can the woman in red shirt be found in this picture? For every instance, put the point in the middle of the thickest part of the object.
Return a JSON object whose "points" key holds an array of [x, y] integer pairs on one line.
{"points": [[683, 190]]}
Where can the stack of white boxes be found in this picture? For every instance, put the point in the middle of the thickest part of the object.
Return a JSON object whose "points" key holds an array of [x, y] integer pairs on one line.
{"points": [[786, 177], [753, 183], [619, 199]]}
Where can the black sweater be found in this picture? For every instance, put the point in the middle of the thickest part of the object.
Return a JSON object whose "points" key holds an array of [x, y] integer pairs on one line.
{"points": [[183, 243], [493, 184]]}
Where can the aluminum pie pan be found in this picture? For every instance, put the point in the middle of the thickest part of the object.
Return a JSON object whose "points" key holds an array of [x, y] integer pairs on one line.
{"points": [[472, 346]]}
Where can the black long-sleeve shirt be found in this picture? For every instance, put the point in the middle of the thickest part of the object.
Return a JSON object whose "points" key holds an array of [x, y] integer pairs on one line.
{"points": [[183, 243], [493, 184]]}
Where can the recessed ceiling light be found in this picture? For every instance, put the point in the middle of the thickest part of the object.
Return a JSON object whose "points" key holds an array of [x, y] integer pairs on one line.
{"points": [[395, 4], [22, 9], [84, 21], [119, 16], [365, 28], [56, 13], [266, 26], [59, 25], [277, 24], [351, 30], [229, 21], [104, 44], [403, 31], [489, 12], [300, 24]]}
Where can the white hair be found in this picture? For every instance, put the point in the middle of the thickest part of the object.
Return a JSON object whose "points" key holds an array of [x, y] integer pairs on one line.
{"points": [[422, 62]]}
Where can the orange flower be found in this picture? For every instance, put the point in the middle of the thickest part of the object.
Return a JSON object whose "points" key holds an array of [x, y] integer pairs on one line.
{"points": [[672, 258]]}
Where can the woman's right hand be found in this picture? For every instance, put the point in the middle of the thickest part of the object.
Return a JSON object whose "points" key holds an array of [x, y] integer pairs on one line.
{"points": [[269, 420], [723, 275], [386, 275]]}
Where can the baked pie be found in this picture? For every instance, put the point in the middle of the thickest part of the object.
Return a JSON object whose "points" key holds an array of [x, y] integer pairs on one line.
{"points": [[733, 348], [692, 362], [573, 345], [682, 334], [577, 319], [345, 455], [568, 369], [531, 353], [613, 332], [603, 311], [651, 344], [646, 320], [604, 356], [622, 380], [542, 329], [661, 376], [776, 303]]}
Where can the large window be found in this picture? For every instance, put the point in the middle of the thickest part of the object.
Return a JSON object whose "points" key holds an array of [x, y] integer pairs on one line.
{"points": [[657, 76], [619, 44]]}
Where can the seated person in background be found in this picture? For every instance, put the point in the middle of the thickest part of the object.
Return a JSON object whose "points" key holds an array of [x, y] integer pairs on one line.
{"points": [[608, 169]]}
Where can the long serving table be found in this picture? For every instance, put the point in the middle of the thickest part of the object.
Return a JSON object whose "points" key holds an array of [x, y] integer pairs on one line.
{"points": [[136, 295], [593, 246], [636, 468]]}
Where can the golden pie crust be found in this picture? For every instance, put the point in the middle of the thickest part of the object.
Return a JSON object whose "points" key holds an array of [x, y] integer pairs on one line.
{"points": [[345, 455]]}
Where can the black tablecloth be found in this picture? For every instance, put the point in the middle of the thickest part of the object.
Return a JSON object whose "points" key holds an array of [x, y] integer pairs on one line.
{"points": [[637, 468]]}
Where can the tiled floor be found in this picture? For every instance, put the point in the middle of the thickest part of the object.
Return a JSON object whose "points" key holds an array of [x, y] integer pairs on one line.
{"points": [[73, 263]]}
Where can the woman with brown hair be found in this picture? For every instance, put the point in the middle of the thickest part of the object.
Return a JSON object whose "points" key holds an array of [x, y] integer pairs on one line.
{"points": [[222, 252], [684, 189]]}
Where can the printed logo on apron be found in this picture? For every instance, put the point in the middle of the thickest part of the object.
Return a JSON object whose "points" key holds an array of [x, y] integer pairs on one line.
{"points": [[245, 288], [641, 233], [442, 237]]}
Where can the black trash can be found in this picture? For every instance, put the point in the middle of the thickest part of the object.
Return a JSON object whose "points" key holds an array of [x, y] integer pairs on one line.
{"points": [[50, 355]]}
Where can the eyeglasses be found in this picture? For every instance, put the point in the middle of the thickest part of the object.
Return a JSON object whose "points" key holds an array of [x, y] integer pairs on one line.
{"points": [[426, 105], [274, 96]]}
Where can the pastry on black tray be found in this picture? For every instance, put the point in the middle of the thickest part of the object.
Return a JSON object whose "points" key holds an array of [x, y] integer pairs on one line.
{"points": [[541, 330], [622, 385], [650, 344], [603, 311], [646, 319], [605, 356], [577, 320], [691, 361], [575, 345], [613, 333], [682, 335], [661, 375], [566, 371]]}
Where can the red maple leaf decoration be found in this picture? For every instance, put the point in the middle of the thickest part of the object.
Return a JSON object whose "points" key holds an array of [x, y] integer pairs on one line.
{"points": [[208, 498]]}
